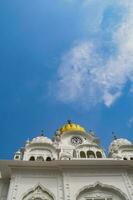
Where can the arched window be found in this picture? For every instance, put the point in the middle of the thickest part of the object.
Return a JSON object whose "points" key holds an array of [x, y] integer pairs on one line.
{"points": [[38, 193], [48, 159], [17, 157], [90, 154], [101, 192], [99, 154], [124, 158], [32, 158], [82, 154], [40, 158]]}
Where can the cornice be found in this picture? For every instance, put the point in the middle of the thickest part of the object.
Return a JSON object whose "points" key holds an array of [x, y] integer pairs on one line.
{"points": [[6, 166]]}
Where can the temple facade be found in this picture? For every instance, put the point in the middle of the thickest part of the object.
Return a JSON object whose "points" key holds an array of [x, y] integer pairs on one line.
{"points": [[71, 166]]}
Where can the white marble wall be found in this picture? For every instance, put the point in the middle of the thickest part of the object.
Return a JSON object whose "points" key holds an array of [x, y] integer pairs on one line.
{"points": [[66, 184]]}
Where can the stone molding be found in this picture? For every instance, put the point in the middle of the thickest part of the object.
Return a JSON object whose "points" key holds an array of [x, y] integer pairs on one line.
{"points": [[100, 185], [40, 187]]}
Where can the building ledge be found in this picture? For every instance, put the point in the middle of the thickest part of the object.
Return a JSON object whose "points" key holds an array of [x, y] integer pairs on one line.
{"points": [[6, 166]]}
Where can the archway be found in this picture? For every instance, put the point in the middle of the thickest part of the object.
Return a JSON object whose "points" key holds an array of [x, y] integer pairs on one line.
{"points": [[32, 158], [48, 159], [82, 154], [38, 193], [99, 154], [90, 154], [40, 158], [100, 191]]}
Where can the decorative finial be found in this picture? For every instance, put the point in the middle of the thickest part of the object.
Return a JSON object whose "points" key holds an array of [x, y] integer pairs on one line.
{"points": [[57, 132], [69, 121], [42, 132], [91, 132], [27, 141], [114, 136]]}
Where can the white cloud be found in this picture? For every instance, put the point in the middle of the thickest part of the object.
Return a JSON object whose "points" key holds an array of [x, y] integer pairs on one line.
{"points": [[86, 77]]}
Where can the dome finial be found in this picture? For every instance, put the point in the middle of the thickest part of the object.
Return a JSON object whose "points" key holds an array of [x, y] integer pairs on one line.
{"points": [[92, 133], [42, 132], [27, 141], [114, 137], [69, 121]]}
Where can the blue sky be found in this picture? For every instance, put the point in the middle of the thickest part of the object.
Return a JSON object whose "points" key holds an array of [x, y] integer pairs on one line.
{"points": [[65, 59]]}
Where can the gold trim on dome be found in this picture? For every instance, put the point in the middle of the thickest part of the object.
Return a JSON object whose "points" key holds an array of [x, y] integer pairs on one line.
{"points": [[71, 127]]}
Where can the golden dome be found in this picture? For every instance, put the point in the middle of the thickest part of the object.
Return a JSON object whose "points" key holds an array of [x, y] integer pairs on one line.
{"points": [[71, 127]]}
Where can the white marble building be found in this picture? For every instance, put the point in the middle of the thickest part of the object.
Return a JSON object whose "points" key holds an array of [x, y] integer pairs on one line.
{"points": [[72, 166]]}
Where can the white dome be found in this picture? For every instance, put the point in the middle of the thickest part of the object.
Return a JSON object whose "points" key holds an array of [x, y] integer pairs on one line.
{"points": [[41, 139], [114, 146], [18, 152]]}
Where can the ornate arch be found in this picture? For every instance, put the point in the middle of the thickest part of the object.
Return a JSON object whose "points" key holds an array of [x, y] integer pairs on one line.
{"points": [[38, 192], [101, 186]]}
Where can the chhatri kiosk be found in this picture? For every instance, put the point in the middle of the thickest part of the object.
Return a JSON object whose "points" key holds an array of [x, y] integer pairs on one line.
{"points": [[71, 166]]}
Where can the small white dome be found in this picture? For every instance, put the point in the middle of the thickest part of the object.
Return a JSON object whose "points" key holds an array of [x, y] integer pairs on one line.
{"points": [[18, 152], [114, 146], [41, 139]]}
